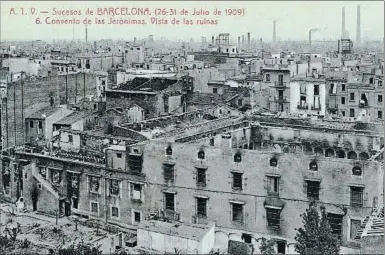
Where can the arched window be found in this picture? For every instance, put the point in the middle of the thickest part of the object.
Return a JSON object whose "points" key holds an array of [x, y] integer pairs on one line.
{"points": [[329, 153], [169, 150], [364, 156], [313, 166], [352, 155], [237, 157], [319, 151], [357, 171], [273, 162], [201, 155], [340, 154]]}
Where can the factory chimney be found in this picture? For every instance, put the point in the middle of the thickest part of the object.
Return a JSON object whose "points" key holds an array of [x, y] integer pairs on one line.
{"points": [[239, 42], [343, 24], [212, 41], [358, 32], [248, 41], [243, 42], [274, 32], [86, 34]]}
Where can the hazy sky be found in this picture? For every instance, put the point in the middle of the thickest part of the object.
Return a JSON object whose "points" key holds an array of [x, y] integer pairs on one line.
{"points": [[294, 19]]}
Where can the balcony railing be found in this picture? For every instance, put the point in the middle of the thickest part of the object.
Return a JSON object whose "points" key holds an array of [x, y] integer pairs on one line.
{"points": [[280, 99], [316, 107], [302, 106], [279, 84]]}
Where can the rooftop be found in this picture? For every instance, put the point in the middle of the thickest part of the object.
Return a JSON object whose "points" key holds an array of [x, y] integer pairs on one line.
{"points": [[72, 118], [194, 232], [44, 112]]}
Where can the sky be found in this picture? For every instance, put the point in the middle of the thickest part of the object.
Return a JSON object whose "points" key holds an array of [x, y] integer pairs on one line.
{"points": [[294, 19]]}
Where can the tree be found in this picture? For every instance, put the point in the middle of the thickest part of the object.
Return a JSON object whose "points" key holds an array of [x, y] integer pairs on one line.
{"points": [[267, 246], [316, 236], [81, 248]]}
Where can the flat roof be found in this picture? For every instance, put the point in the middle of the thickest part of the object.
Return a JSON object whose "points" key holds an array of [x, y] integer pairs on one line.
{"points": [[183, 230]]}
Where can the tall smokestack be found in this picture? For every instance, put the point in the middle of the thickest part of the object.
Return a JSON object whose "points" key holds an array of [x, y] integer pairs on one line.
{"points": [[86, 34], [212, 41], [243, 42], [343, 24], [239, 42], [358, 32], [274, 32], [248, 41]]}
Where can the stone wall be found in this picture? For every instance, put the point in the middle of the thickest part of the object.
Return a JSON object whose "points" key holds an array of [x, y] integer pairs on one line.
{"points": [[36, 96]]}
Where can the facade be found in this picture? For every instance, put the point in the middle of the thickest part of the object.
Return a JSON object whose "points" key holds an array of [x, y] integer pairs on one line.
{"points": [[308, 96], [278, 80], [186, 173]]}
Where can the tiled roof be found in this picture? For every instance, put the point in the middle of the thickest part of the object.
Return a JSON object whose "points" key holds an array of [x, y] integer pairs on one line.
{"points": [[46, 111], [72, 118]]}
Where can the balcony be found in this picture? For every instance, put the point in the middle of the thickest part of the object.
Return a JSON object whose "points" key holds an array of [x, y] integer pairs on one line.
{"points": [[280, 99], [316, 108], [278, 84], [363, 104], [302, 106]]}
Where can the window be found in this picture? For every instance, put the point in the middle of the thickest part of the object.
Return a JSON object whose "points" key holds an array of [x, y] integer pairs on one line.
{"points": [[169, 151], [211, 141], [273, 162], [239, 102], [237, 212], [136, 191], [56, 176], [114, 188], [246, 238], [313, 166], [357, 171], [355, 225], [379, 98], [215, 90], [335, 221], [119, 155], [272, 185], [379, 114], [169, 201], [40, 124], [237, 158], [237, 181], [267, 77], [316, 90], [342, 100], [137, 217], [273, 217], [342, 87], [31, 124], [201, 177], [114, 211], [281, 246], [343, 113], [356, 196], [351, 112], [39, 186], [313, 188], [168, 172], [94, 184], [94, 207], [371, 80], [201, 209], [70, 138], [332, 89], [201, 155], [351, 97], [379, 83], [94, 106]]}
